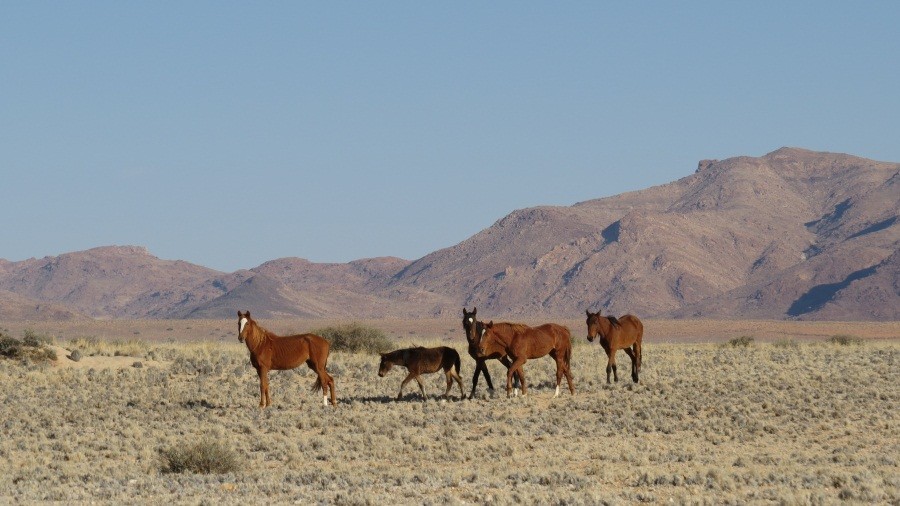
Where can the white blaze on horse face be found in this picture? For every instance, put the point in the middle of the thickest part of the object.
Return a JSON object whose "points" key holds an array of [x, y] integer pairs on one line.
{"points": [[243, 322], [471, 319]]}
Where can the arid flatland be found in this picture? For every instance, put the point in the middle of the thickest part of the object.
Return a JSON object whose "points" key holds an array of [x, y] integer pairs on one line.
{"points": [[794, 420]]}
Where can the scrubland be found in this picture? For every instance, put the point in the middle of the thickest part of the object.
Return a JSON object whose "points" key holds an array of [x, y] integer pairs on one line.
{"points": [[747, 422]]}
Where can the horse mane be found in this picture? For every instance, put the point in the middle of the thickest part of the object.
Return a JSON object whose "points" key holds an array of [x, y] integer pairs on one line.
{"points": [[614, 321], [257, 333], [517, 327]]}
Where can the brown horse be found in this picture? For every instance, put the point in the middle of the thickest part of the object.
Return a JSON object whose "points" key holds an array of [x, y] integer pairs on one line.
{"points": [[623, 333], [272, 352], [473, 329], [532, 342], [421, 360]]}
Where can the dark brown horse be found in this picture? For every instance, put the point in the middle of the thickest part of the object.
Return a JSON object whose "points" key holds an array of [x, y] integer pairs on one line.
{"points": [[473, 329], [623, 333], [270, 352], [532, 342], [420, 361]]}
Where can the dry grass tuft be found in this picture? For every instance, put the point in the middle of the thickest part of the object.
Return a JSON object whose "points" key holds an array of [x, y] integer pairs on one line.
{"points": [[208, 456]]}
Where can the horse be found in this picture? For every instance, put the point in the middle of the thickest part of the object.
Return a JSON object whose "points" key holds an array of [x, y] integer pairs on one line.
{"points": [[421, 360], [623, 333], [531, 342], [273, 352], [473, 329]]}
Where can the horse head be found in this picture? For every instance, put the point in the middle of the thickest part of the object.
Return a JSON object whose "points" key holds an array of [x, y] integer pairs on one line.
{"points": [[469, 324], [244, 324], [385, 366], [486, 341], [594, 327]]}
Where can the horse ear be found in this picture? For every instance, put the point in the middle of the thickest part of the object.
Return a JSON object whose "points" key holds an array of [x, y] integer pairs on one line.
{"points": [[490, 324], [587, 312], [474, 310], [240, 315]]}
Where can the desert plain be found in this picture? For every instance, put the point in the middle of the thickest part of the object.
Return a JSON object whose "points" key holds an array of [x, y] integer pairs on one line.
{"points": [[726, 412]]}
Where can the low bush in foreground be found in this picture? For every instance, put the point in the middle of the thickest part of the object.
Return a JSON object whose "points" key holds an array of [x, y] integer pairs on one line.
{"points": [[356, 338], [207, 457]]}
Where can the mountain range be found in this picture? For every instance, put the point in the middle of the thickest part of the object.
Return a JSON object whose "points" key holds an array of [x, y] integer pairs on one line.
{"points": [[794, 234]]}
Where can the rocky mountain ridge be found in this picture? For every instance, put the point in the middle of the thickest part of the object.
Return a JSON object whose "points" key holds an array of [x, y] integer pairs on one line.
{"points": [[792, 234]]}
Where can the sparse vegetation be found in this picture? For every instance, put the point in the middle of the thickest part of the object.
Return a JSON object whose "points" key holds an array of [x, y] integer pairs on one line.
{"points": [[805, 423], [844, 340], [207, 456], [743, 341], [32, 347], [356, 338]]}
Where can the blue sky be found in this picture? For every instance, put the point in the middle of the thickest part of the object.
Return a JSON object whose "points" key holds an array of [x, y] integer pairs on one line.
{"points": [[231, 133]]}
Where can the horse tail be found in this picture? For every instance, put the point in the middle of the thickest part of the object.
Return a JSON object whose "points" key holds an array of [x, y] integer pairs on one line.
{"points": [[456, 361], [639, 343], [318, 384]]}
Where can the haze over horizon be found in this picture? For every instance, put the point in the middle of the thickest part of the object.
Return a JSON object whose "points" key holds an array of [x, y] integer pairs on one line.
{"points": [[227, 136]]}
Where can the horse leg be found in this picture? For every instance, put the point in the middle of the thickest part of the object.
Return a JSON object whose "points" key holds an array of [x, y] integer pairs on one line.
{"points": [[406, 380], [516, 366], [517, 379], [264, 399], [453, 373], [449, 382], [634, 374], [480, 367], [422, 388], [615, 369]]}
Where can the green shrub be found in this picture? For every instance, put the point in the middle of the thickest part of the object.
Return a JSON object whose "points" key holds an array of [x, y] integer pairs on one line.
{"points": [[207, 456], [741, 341], [844, 340], [356, 338]]}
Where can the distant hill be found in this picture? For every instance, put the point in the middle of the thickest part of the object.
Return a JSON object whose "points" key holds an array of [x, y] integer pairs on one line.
{"points": [[792, 234]]}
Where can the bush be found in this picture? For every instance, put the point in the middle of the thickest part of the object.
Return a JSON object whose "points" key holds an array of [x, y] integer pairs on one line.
{"points": [[207, 456], [356, 338], [741, 341], [33, 347], [35, 340], [844, 340]]}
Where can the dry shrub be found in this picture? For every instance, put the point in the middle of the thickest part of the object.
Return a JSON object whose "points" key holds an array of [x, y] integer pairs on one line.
{"points": [[356, 338], [32, 347], [844, 340], [741, 341], [208, 456]]}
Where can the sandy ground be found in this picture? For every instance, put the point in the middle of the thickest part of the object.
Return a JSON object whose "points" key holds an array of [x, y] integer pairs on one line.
{"points": [[64, 361], [662, 331]]}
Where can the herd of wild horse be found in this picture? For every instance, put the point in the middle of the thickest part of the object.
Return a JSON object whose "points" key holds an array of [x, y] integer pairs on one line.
{"points": [[510, 343]]}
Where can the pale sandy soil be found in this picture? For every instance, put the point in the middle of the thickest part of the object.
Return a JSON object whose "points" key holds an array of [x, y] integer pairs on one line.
{"points": [[693, 331], [794, 421]]}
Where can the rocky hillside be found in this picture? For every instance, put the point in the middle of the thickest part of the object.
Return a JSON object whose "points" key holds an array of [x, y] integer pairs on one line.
{"points": [[793, 234]]}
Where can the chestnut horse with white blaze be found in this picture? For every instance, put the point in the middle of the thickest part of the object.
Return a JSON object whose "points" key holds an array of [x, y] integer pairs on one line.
{"points": [[623, 333], [271, 352], [531, 342]]}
